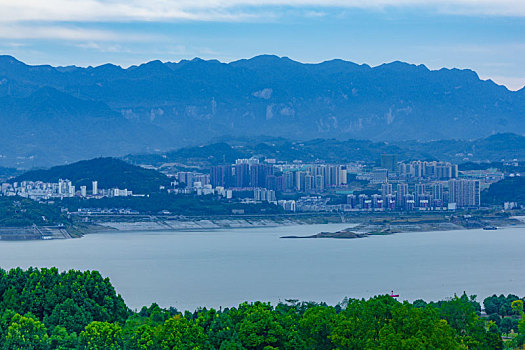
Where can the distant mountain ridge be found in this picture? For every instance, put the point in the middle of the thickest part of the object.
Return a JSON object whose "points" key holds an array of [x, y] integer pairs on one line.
{"points": [[52, 115]]}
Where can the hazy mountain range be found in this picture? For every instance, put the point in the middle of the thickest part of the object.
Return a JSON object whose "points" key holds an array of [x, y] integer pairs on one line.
{"points": [[52, 115]]}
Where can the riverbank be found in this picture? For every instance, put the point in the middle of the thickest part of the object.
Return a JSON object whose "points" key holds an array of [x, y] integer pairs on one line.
{"points": [[159, 223], [368, 223], [34, 233], [377, 227]]}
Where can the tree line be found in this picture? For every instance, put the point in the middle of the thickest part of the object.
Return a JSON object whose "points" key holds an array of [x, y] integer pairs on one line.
{"points": [[46, 309]]}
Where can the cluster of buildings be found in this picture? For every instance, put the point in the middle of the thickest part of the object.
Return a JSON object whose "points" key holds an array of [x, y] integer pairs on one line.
{"points": [[186, 182], [190, 179], [393, 185], [415, 185], [451, 194], [429, 170], [250, 174], [39, 190], [264, 180]]}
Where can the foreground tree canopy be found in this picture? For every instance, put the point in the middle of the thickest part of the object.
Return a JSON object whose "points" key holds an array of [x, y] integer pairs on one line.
{"points": [[47, 309]]}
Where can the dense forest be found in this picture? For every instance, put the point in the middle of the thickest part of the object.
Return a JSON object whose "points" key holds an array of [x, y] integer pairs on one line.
{"points": [[46, 309]]}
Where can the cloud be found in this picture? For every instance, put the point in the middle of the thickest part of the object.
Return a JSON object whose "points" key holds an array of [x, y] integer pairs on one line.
{"points": [[17, 31], [53, 32], [54, 19], [117, 11], [314, 14], [224, 10], [109, 48]]}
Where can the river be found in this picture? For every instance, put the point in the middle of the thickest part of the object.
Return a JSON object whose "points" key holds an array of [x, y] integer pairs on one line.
{"points": [[225, 267]]}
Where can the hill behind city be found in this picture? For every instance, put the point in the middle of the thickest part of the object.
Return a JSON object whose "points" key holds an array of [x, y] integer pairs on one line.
{"points": [[109, 172], [494, 148]]}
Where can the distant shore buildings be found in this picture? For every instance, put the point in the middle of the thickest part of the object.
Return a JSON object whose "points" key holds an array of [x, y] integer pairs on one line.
{"points": [[64, 188], [415, 185], [296, 186]]}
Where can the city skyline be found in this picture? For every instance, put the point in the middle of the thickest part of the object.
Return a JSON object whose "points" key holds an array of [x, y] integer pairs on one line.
{"points": [[415, 185]]}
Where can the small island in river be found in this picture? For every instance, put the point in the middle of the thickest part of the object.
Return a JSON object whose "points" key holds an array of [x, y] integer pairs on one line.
{"points": [[376, 227], [343, 234]]}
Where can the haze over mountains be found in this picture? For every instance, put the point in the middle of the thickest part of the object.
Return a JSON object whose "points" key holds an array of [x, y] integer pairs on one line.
{"points": [[52, 115]]}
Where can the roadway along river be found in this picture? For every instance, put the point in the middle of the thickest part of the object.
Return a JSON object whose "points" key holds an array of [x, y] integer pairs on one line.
{"points": [[225, 267]]}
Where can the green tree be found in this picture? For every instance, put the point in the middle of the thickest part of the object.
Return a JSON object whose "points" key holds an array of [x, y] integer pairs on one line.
{"points": [[416, 328], [26, 333], [495, 318], [260, 328], [179, 333], [231, 345], [493, 337], [520, 339], [460, 313], [506, 325], [358, 326], [6, 316], [316, 327], [70, 316], [384, 323], [144, 337], [517, 307], [101, 336], [60, 339]]}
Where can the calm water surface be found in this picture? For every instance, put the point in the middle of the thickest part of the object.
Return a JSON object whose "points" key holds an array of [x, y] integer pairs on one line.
{"points": [[225, 267]]}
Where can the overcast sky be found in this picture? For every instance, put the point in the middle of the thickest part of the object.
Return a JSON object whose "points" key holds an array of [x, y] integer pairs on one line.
{"points": [[487, 36]]}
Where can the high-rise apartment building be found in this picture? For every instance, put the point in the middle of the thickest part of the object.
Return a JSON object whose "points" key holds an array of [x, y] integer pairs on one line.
{"points": [[389, 162], [465, 193]]}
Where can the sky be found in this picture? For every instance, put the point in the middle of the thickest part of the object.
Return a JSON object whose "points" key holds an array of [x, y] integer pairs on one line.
{"points": [[487, 36]]}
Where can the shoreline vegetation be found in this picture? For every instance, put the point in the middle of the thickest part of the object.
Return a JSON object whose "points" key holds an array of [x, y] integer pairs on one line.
{"points": [[364, 224], [50, 309]]}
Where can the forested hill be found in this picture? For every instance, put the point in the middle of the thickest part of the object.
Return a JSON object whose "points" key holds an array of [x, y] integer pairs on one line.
{"points": [[46, 309], [67, 114], [490, 149], [109, 172], [328, 150], [511, 189]]}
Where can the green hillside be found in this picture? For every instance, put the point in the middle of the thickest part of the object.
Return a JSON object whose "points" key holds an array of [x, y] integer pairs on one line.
{"points": [[22, 212], [109, 172], [511, 189]]}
